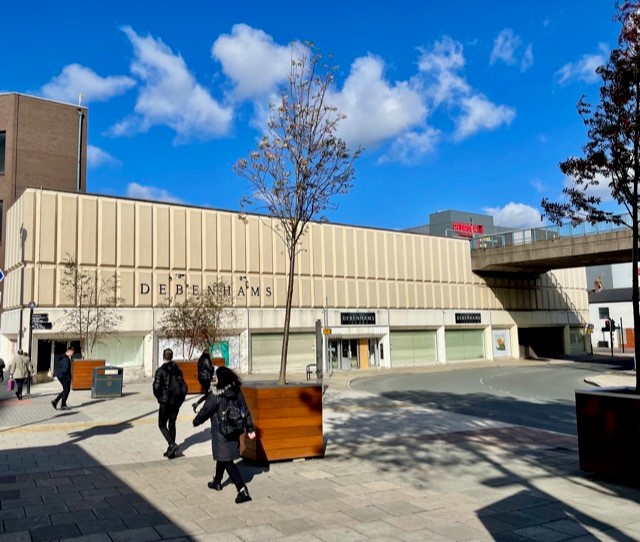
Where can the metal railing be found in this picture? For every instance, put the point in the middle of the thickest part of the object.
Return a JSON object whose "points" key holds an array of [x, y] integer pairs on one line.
{"points": [[544, 233]]}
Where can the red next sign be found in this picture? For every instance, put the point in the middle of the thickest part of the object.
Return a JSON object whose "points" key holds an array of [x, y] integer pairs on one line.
{"points": [[467, 229]]}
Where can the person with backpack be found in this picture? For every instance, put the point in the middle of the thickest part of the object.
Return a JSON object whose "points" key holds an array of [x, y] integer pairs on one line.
{"points": [[227, 409], [170, 389], [206, 372]]}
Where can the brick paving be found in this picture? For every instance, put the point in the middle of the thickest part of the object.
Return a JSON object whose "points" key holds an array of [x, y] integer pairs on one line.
{"points": [[392, 471]]}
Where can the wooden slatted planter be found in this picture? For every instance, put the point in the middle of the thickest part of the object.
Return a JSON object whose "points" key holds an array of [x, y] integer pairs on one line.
{"points": [[288, 421], [190, 372], [82, 372]]}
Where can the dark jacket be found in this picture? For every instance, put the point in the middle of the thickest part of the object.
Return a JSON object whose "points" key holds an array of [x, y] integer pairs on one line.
{"points": [[63, 368], [161, 383], [205, 369], [223, 449]]}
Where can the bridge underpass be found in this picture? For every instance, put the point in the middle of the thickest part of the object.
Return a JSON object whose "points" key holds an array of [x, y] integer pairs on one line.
{"points": [[531, 253]]}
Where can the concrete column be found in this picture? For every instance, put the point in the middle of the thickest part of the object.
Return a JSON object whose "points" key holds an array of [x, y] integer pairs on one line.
{"points": [[566, 339], [440, 346], [515, 343], [488, 343]]}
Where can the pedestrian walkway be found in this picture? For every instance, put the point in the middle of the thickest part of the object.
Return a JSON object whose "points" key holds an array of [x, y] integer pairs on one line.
{"points": [[392, 471]]}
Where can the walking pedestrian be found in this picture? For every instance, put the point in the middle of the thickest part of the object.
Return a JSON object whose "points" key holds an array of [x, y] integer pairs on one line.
{"points": [[19, 370], [2, 366], [206, 372], [170, 389], [63, 374], [226, 449], [30, 372]]}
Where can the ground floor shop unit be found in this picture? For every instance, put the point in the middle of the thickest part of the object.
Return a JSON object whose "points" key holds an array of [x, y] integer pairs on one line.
{"points": [[363, 297]]}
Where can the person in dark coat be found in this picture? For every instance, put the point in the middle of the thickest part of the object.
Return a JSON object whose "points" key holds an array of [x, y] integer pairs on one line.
{"points": [[170, 402], [63, 374], [206, 372], [226, 449]]}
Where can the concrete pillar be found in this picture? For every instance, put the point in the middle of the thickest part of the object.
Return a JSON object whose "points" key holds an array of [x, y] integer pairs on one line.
{"points": [[488, 343], [515, 343], [440, 346], [566, 339]]}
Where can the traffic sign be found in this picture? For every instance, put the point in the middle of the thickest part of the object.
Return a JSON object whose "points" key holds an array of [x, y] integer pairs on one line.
{"points": [[1, 275]]}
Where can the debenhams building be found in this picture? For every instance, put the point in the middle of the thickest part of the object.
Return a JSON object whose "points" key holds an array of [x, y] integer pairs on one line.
{"points": [[384, 298]]}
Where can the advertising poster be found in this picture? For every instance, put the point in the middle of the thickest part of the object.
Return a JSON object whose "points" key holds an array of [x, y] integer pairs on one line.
{"points": [[501, 343]]}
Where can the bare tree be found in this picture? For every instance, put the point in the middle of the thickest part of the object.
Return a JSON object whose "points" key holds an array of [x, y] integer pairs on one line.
{"points": [[300, 164], [94, 313], [612, 153], [197, 320]]}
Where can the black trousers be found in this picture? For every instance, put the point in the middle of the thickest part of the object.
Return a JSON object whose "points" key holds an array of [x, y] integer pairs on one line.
{"points": [[64, 394], [167, 416], [232, 470], [19, 385]]}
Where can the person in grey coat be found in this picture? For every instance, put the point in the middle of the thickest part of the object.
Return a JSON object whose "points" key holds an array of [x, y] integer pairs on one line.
{"points": [[226, 449]]}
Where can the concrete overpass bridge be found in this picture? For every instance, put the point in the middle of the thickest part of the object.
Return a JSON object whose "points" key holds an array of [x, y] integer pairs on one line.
{"points": [[537, 250]]}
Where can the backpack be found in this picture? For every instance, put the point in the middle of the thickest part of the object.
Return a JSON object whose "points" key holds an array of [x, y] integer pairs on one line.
{"points": [[177, 389], [232, 419]]}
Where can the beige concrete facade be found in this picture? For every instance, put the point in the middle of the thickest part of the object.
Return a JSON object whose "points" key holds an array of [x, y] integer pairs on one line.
{"points": [[389, 282]]}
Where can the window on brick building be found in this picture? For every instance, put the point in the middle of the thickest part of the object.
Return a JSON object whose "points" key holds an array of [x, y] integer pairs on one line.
{"points": [[3, 145]]}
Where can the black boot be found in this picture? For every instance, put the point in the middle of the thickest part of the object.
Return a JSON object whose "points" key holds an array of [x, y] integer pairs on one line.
{"points": [[243, 496], [214, 484]]}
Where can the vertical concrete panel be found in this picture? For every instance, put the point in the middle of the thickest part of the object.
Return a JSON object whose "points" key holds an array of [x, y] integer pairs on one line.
{"points": [[318, 250], [254, 245], [410, 251], [339, 255], [126, 226], [392, 289], [178, 238], [318, 292], [372, 294], [266, 248], [144, 289], [267, 298], [361, 298], [369, 264], [418, 258], [67, 227], [210, 241], [107, 235], [88, 232], [328, 252], [381, 255], [46, 229], [45, 294], [350, 252], [303, 264], [361, 253], [194, 239], [144, 235], [305, 290], [340, 294], [239, 244], [161, 247]]}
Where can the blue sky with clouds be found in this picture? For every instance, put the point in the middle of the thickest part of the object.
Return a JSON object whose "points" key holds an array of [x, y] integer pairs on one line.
{"points": [[459, 105]]}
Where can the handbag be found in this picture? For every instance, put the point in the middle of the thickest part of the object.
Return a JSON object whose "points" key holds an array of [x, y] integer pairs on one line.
{"points": [[11, 384]]}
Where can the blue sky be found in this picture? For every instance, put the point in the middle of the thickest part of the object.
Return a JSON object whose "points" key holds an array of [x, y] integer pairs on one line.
{"points": [[459, 105]]}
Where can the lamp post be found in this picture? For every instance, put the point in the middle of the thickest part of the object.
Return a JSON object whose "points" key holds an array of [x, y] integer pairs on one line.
{"points": [[32, 305]]}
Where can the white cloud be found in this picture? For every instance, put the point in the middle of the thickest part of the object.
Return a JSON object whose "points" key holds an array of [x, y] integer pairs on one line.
{"points": [[151, 193], [409, 147], [478, 113], [252, 61], [527, 59], [170, 95], [505, 46], [472, 111], [538, 185], [375, 109], [76, 79], [583, 69], [602, 190], [515, 215], [97, 157]]}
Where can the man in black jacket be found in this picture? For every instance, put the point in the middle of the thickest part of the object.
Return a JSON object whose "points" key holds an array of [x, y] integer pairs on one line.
{"points": [[206, 372], [63, 374], [170, 390]]}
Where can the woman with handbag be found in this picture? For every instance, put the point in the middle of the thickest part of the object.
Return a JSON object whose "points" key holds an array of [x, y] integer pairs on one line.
{"points": [[19, 371]]}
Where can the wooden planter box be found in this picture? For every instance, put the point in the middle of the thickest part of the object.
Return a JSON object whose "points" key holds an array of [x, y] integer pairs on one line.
{"points": [[82, 372], [288, 421], [609, 432]]}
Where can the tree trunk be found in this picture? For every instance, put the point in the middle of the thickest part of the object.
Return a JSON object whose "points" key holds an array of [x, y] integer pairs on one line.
{"points": [[282, 377]]}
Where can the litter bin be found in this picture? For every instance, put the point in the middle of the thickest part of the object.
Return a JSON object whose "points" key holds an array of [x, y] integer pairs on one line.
{"points": [[107, 382]]}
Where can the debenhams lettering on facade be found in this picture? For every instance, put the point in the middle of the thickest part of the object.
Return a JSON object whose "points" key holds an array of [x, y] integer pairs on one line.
{"points": [[194, 289]]}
